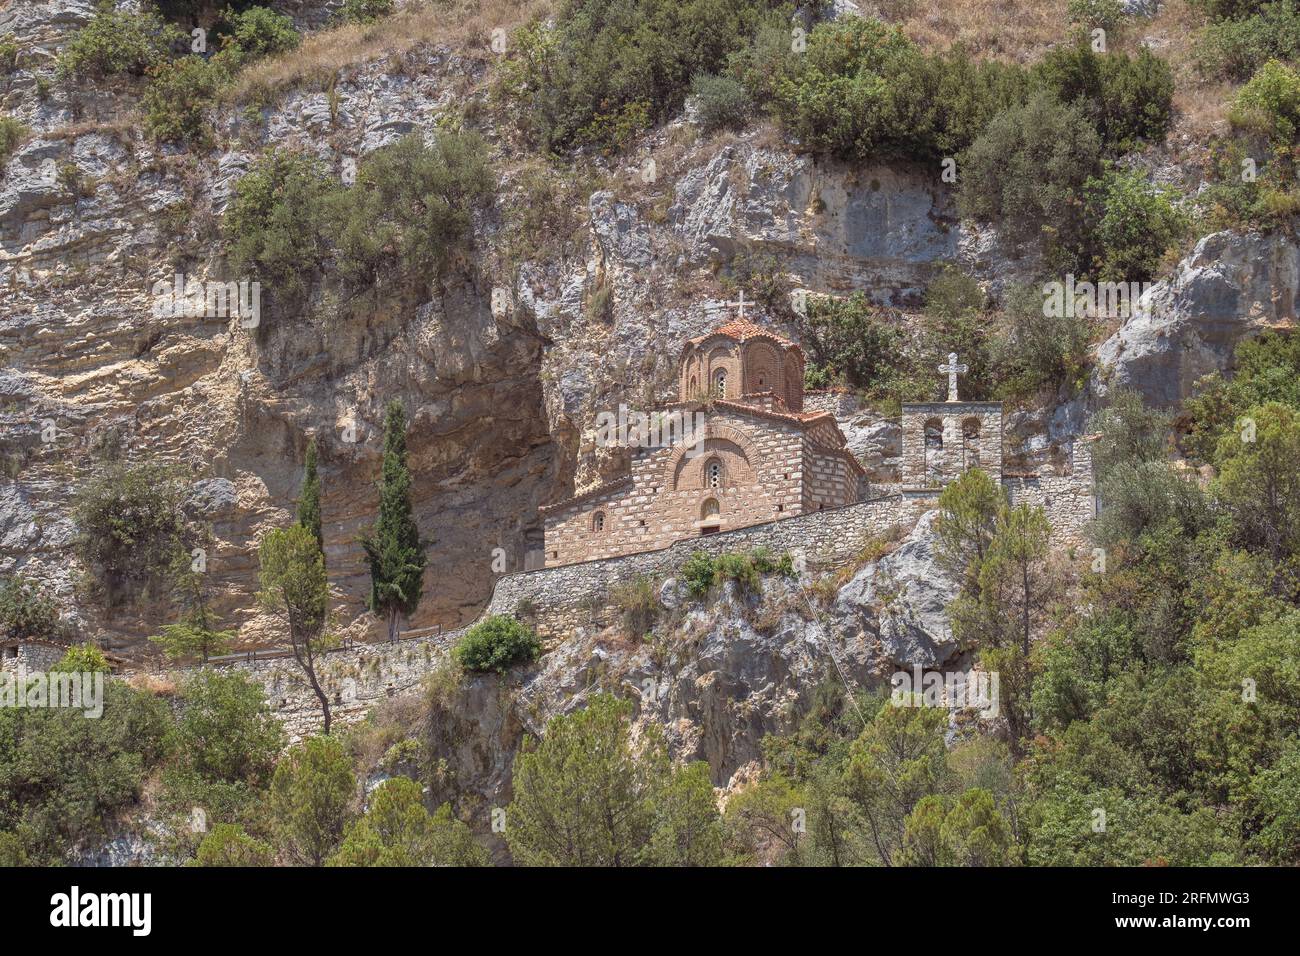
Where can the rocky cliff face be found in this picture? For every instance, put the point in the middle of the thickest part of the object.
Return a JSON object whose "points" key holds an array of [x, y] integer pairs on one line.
{"points": [[93, 214]]}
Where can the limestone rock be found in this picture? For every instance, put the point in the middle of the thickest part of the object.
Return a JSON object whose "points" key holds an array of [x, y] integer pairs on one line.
{"points": [[1232, 285], [902, 600]]}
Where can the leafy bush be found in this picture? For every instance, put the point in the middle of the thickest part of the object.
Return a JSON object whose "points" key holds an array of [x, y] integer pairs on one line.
{"points": [[365, 11], [1234, 49], [130, 530], [1269, 105], [864, 91], [228, 845], [225, 730], [1033, 351], [26, 612], [179, 94], [1128, 99], [702, 572], [602, 71], [311, 794], [63, 776], [497, 644], [410, 208], [852, 342], [12, 134], [257, 32], [118, 42], [1106, 14], [723, 101], [274, 227], [1028, 169], [639, 603], [1138, 224], [1265, 369], [398, 831], [82, 659]]}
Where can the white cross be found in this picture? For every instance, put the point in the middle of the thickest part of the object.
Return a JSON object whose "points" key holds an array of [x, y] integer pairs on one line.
{"points": [[952, 368], [740, 304]]}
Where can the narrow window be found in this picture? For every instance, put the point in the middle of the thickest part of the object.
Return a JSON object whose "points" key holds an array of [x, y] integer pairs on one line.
{"points": [[598, 521], [713, 474], [720, 383]]}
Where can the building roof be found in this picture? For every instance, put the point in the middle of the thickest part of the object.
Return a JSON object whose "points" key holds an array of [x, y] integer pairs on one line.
{"points": [[742, 331]]}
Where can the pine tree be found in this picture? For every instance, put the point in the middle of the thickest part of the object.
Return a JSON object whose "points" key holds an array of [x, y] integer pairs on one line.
{"points": [[394, 549], [309, 500]]}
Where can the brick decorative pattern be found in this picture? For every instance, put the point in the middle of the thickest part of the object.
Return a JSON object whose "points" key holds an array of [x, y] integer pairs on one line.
{"points": [[761, 458]]}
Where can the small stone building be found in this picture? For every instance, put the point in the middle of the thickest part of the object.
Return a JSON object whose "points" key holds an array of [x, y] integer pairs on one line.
{"points": [[750, 455], [23, 656]]}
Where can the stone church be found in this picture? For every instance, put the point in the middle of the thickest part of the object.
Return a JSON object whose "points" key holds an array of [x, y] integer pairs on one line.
{"points": [[763, 453], [759, 456]]}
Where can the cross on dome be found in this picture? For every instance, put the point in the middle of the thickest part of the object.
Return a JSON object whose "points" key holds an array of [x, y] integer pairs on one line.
{"points": [[739, 304]]}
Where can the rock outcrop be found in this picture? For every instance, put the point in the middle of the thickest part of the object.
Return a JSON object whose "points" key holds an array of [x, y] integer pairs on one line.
{"points": [[1232, 286]]}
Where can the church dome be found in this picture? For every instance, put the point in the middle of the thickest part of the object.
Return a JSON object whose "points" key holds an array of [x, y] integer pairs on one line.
{"points": [[741, 361]]}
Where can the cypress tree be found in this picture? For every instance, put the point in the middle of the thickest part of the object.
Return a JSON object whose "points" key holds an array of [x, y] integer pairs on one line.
{"points": [[394, 550], [309, 500]]}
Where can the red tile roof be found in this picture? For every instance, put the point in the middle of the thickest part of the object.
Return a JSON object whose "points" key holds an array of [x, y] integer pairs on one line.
{"points": [[742, 331]]}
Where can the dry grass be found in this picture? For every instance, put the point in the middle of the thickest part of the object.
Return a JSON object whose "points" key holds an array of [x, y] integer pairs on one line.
{"points": [[1016, 31], [463, 25]]}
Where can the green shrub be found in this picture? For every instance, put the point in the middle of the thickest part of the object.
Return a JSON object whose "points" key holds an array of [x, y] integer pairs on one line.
{"points": [[274, 226], [702, 572], [1128, 99], [8, 56], [365, 11], [864, 91], [605, 69], [1265, 369], [180, 93], [410, 209], [853, 342], [118, 42], [497, 644], [1034, 351], [83, 659], [1234, 49], [698, 573], [639, 602], [12, 134], [1269, 105], [228, 845], [130, 530], [257, 32], [64, 777], [723, 101], [1028, 170], [26, 612], [1106, 14], [1138, 224]]}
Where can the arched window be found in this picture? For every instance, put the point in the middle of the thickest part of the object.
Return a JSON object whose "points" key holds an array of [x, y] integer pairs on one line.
{"points": [[713, 474], [720, 383], [709, 509], [934, 433], [598, 521], [694, 389]]}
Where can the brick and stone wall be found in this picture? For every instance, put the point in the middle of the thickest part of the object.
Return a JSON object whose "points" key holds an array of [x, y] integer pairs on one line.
{"points": [[770, 469], [575, 595]]}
